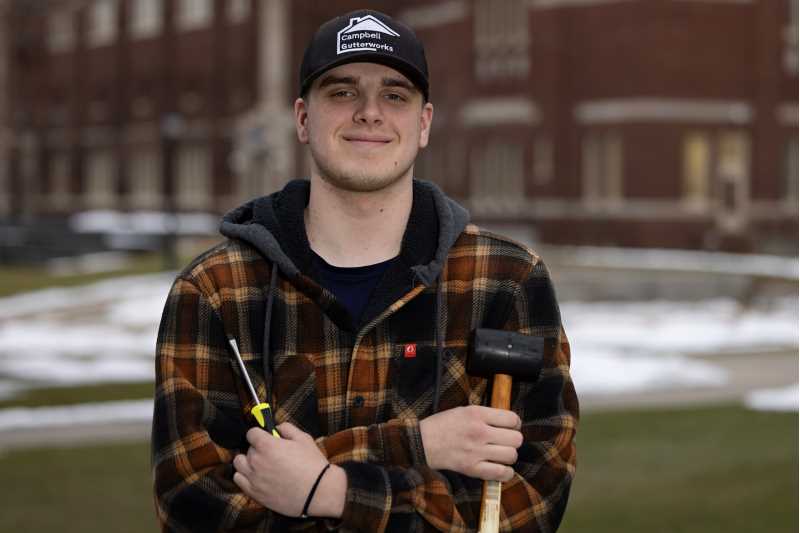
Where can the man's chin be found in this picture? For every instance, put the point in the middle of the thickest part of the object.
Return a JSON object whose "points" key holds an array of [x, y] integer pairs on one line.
{"points": [[359, 182]]}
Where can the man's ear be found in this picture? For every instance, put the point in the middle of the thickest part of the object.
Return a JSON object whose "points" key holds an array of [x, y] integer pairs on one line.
{"points": [[425, 119], [301, 120]]}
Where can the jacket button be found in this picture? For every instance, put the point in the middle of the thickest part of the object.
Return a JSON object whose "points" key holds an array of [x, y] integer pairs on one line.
{"points": [[358, 401]]}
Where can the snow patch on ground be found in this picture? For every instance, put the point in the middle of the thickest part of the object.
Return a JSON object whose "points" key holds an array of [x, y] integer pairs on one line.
{"points": [[106, 332], [782, 399], [604, 373], [665, 327], [628, 347], [85, 413], [658, 259], [144, 222], [103, 332], [88, 263], [152, 288]]}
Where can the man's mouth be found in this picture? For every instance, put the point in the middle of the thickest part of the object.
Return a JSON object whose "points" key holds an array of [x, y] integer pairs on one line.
{"points": [[367, 140]]}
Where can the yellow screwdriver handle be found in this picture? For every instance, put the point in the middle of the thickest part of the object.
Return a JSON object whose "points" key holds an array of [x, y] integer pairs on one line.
{"points": [[263, 415]]}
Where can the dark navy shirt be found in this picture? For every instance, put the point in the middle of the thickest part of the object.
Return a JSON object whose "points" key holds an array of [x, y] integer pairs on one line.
{"points": [[352, 286]]}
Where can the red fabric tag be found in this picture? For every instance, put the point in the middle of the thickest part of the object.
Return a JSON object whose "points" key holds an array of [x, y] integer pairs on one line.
{"points": [[410, 351]]}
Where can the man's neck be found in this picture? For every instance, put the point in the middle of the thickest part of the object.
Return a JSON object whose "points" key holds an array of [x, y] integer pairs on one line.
{"points": [[350, 229]]}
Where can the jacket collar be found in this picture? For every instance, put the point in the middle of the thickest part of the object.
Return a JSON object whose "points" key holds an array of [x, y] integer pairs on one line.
{"points": [[275, 225]]}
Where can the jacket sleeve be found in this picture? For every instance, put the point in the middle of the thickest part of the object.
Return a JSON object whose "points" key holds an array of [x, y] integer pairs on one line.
{"points": [[198, 426], [394, 498]]}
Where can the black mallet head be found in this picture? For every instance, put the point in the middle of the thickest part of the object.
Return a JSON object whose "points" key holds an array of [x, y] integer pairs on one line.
{"points": [[494, 351]]}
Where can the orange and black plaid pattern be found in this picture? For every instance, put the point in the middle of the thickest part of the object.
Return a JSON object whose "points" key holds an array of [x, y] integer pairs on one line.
{"points": [[356, 392]]}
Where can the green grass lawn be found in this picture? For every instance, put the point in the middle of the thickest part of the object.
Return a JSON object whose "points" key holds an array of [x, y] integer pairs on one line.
{"points": [[16, 279], [705, 470], [92, 489], [103, 392]]}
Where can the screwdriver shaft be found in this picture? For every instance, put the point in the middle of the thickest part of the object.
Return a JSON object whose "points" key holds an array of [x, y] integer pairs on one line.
{"points": [[244, 370]]}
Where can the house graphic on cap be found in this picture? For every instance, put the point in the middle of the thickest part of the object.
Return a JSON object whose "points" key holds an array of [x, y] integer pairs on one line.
{"points": [[364, 33]]}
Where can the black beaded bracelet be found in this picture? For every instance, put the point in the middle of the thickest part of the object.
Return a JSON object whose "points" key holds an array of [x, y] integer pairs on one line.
{"points": [[304, 514]]}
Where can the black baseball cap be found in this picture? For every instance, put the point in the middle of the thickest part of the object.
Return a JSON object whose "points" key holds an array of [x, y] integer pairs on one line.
{"points": [[365, 36]]}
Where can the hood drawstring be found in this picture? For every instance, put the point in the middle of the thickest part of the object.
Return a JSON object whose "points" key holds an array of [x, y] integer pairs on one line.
{"points": [[440, 333], [265, 352]]}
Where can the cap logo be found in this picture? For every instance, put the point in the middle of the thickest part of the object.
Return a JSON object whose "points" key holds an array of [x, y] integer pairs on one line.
{"points": [[364, 34]]}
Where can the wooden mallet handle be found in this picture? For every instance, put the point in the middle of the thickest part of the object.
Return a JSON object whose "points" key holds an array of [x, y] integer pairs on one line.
{"points": [[490, 499]]}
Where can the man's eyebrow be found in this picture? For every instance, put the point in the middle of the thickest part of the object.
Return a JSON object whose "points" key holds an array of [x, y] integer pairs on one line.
{"points": [[351, 80], [397, 82], [336, 80]]}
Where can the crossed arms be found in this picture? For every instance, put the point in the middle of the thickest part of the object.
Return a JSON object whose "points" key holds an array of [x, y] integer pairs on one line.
{"points": [[388, 475]]}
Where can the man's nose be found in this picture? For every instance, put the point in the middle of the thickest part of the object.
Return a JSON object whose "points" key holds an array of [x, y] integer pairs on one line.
{"points": [[368, 111]]}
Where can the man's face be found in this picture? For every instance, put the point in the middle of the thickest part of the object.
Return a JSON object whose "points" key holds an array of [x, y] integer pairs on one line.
{"points": [[364, 124]]}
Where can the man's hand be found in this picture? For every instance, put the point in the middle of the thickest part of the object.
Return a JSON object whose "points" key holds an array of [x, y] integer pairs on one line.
{"points": [[279, 473], [475, 441]]}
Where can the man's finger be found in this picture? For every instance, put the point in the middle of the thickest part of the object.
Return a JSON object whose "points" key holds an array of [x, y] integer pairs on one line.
{"points": [[493, 471], [243, 483], [505, 455], [502, 418], [505, 437], [241, 464], [257, 437], [289, 431]]}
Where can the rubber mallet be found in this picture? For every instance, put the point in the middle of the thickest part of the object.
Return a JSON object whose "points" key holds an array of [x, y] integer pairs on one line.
{"points": [[501, 354]]}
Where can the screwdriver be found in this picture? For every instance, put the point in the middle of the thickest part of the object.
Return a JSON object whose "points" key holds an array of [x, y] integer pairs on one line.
{"points": [[262, 411]]}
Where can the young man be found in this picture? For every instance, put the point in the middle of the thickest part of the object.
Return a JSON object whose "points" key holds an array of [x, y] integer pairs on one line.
{"points": [[352, 297]]}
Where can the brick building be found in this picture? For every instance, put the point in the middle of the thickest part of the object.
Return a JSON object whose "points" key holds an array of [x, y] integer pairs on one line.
{"points": [[669, 123]]}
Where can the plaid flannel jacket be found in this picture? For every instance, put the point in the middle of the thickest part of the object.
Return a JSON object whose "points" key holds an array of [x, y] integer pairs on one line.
{"points": [[353, 389]]}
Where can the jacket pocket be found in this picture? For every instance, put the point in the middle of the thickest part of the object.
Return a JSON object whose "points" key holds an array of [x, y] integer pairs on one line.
{"points": [[413, 378]]}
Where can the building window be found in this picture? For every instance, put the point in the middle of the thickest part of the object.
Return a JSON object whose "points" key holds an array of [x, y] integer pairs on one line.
{"points": [[443, 164], [98, 110], [142, 107], [602, 167], [497, 173], [102, 22], [6, 168], [58, 113], [194, 14], [790, 40], [716, 165], [455, 173], [733, 168], [238, 99], [238, 10], [29, 165], [145, 178], [194, 177], [501, 39], [60, 31], [190, 102], [734, 155], [101, 182], [146, 18], [543, 165], [791, 176], [59, 192], [428, 165], [696, 169]]}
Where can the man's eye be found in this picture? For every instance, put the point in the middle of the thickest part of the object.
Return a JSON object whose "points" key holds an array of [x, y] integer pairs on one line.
{"points": [[344, 93], [396, 97]]}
